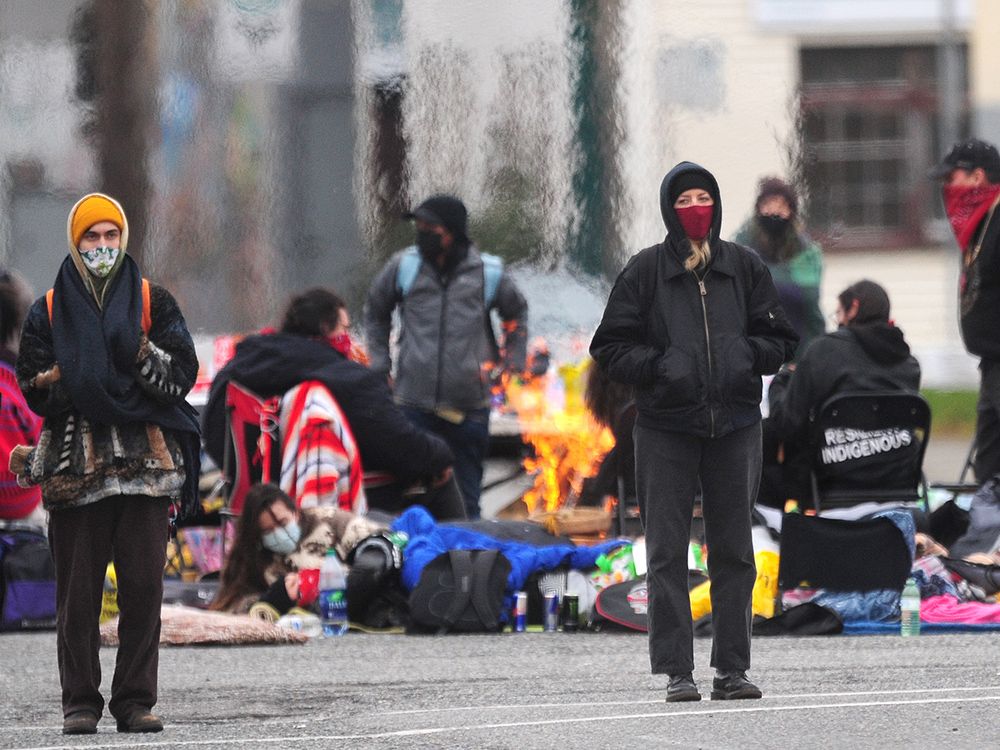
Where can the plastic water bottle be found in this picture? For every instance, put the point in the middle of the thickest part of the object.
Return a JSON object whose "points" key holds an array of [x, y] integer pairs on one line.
{"points": [[332, 595], [909, 609]]}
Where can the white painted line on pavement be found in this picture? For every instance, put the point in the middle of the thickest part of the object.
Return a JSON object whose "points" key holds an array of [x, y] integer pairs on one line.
{"points": [[714, 711], [584, 704], [769, 696]]}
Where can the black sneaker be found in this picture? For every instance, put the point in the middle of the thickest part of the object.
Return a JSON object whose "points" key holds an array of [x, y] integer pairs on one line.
{"points": [[682, 688], [80, 722], [733, 686]]}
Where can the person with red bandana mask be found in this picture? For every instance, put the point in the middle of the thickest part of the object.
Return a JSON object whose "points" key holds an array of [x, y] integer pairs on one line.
{"points": [[403, 465], [692, 323], [970, 177]]}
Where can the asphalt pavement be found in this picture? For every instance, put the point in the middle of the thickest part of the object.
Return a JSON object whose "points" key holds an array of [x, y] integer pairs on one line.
{"points": [[534, 690]]}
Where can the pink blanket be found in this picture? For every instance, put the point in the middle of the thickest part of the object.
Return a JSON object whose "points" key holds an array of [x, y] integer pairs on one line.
{"points": [[947, 608]]}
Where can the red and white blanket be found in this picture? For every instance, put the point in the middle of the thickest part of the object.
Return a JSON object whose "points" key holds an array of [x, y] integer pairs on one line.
{"points": [[320, 462]]}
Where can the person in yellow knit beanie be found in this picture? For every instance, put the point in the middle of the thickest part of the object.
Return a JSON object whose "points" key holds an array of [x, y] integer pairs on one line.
{"points": [[119, 444]]}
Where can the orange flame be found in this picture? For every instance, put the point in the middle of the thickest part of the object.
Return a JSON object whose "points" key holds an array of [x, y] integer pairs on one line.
{"points": [[568, 444]]}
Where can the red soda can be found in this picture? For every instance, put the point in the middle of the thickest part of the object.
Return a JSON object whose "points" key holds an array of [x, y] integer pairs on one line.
{"points": [[520, 612]]}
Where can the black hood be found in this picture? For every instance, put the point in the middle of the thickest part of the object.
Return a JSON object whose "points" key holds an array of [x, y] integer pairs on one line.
{"points": [[882, 342], [675, 232]]}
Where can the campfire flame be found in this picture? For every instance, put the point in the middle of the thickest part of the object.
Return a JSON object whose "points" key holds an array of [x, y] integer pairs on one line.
{"points": [[568, 444]]}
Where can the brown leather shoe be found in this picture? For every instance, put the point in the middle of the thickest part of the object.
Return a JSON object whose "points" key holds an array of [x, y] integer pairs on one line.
{"points": [[140, 721], [80, 722]]}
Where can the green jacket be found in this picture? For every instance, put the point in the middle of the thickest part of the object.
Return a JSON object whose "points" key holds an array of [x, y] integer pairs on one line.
{"points": [[797, 275]]}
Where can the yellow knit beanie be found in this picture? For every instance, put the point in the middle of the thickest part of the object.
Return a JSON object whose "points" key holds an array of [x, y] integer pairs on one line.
{"points": [[93, 209]]}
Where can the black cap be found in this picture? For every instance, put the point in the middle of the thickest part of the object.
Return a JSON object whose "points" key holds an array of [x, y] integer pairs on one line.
{"points": [[446, 210], [969, 155]]}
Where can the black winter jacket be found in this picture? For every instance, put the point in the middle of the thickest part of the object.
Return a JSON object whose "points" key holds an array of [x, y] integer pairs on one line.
{"points": [[979, 291], [271, 364], [869, 357], [694, 343]]}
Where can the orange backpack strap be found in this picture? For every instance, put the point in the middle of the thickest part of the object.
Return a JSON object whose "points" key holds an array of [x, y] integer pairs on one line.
{"points": [[147, 316]]}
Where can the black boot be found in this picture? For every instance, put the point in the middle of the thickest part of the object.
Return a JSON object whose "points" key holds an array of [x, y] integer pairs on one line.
{"points": [[732, 686], [682, 688]]}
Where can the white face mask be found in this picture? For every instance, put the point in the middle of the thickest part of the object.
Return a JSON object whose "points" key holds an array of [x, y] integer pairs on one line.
{"points": [[282, 540], [100, 260]]}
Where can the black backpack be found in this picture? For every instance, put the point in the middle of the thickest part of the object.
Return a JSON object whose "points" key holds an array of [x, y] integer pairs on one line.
{"points": [[27, 581], [460, 590]]}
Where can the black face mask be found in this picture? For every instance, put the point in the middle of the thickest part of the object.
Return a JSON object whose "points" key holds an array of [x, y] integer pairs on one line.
{"points": [[429, 245], [774, 226]]}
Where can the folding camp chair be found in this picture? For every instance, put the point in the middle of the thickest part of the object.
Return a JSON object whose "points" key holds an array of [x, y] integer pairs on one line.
{"points": [[962, 485], [869, 447], [250, 449]]}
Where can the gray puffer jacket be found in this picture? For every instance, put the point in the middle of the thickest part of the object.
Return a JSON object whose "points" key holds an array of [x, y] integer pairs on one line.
{"points": [[446, 340]]}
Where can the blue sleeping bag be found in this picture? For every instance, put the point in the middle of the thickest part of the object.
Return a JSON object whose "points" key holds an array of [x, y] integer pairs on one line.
{"points": [[428, 539]]}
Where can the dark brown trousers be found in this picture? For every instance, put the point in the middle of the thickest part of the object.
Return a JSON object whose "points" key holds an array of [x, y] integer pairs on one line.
{"points": [[132, 531]]}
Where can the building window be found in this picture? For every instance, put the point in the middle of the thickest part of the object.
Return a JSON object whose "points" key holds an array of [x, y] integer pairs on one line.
{"points": [[870, 123]]}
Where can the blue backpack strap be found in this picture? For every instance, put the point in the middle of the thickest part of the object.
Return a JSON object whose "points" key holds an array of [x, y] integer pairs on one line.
{"points": [[492, 271], [407, 270]]}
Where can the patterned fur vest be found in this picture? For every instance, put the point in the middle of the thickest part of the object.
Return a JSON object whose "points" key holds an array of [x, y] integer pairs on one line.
{"points": [[77, 462]]}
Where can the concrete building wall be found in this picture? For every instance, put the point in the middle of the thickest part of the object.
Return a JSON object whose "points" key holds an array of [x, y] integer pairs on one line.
{"points": [[701, 82], [477, 71], [984, 62]]}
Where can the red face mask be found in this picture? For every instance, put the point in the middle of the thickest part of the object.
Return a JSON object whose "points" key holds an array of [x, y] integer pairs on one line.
{"points": [[341, 342], [966, 207], [696, 220]]}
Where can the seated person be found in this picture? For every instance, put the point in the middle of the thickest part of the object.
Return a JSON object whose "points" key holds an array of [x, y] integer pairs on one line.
{"points": [[866, 353], [275, 540], [403, 464]]}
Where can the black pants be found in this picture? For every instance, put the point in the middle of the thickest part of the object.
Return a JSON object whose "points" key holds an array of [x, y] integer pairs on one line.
{"points": [[987, 461], [132, 530], [469, 441], [669, 466]]}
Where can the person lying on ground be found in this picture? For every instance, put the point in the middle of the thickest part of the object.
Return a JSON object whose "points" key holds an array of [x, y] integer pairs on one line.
{"points": [[402, 463], [274, 541]]}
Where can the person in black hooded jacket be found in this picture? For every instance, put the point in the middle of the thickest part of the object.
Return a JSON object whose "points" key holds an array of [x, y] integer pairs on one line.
{"points": [[392, 448], [866, 353], [693, 323]]}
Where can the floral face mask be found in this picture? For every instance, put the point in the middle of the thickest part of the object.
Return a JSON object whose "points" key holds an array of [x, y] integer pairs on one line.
{"points": [[101, 260]]}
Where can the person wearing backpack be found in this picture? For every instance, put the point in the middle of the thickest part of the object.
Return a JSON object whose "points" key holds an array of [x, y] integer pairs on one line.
{"points": [[693, 322], [106, 359], [445, 289]]}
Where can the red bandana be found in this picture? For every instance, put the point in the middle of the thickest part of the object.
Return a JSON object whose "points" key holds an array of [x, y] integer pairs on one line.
{"points": [[966, 207], [696, 221]]}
